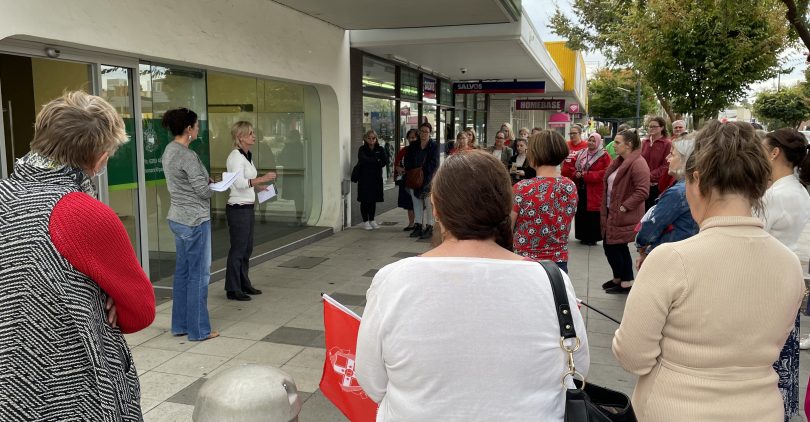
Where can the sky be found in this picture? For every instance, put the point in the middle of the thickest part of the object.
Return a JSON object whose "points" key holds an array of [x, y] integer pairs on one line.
{"points": [[540, 12]]}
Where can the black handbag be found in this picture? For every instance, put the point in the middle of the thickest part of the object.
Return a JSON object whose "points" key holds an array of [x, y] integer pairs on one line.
{"points": [[586, 402], [356, 173]]}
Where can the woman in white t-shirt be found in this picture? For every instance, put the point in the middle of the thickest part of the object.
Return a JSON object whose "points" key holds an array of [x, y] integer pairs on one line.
{"points": [[467, 331], [240, 213], [787, 212]]}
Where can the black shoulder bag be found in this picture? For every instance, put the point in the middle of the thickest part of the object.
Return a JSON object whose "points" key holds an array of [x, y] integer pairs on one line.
{"points": [[586, 402]]}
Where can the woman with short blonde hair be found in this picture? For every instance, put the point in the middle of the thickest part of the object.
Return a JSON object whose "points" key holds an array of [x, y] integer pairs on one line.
{"points": [[240, 211], [71, 282]]}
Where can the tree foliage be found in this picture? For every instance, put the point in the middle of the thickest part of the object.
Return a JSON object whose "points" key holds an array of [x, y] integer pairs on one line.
{"points": [[785, 108], [698, 56], [612, 95]]}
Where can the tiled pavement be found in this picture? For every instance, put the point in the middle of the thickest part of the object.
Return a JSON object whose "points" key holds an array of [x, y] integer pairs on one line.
{"points": [[284, 327]]}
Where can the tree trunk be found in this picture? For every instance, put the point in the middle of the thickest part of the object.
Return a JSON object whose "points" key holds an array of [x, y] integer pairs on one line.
{"points": [[665, 104], [796, 20]]}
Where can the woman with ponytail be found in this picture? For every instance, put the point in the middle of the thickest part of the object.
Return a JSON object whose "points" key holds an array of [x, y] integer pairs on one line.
{"points": [[544, 205], [786, 210], [430, 319]]}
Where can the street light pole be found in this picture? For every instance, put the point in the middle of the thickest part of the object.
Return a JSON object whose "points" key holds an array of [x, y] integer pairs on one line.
{"points": [[638, 98]]}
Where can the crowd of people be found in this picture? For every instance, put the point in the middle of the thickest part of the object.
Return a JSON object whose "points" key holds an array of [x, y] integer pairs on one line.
{"points": [[468, 330], [715, 217]]}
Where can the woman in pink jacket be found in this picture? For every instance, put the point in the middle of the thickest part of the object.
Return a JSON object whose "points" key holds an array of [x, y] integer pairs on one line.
{"points": [[627, 184]]}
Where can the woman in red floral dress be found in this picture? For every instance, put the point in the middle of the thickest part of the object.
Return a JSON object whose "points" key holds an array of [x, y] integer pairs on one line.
{"points": [[544, 205]]}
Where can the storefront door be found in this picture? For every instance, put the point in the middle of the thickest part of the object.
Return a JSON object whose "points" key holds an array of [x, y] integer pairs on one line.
{"points": [[27, 83]]}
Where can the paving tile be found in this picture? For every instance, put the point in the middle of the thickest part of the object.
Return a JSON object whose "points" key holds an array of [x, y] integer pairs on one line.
{"points": [[169, 412], [222, 346], [147, 358], [310, 357], [249, 330], [188, 395], [294, 336], [160, 386], [230, 312], [370, 273], [191, 364], [142, 336], [388, 223], [349, 300], [404, 254], [167, 341], [276, 354], [318, 408], [148, 404], [303, 262]]}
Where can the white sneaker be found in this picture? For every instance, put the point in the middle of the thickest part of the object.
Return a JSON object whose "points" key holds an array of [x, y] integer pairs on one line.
{"points": [[804, 343], [374, 224], [367, 226]]}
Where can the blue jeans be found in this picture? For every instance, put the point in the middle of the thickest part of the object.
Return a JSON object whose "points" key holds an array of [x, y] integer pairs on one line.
{"points": [[191, 275], [423, 209]]}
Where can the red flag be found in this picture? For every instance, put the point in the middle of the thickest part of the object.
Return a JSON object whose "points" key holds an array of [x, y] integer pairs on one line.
{"points": [[338, 382]]}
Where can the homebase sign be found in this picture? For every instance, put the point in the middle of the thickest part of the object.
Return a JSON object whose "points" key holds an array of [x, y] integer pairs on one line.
{"points": [[540, 104], [526, 87]]}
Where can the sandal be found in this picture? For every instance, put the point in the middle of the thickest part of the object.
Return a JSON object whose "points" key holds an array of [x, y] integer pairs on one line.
{"points": [[213, 334]]}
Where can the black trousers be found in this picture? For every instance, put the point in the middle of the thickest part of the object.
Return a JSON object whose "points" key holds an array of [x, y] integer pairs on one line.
{"points": [[620, 261], [241, 221], [367, 210], [652, 197]]}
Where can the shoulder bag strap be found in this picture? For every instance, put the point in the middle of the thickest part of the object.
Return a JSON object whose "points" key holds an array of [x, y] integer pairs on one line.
{"points": [[560, 299]]}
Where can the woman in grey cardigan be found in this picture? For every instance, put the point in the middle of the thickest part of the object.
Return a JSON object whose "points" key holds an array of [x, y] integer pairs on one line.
{"points": [[190, 221]]}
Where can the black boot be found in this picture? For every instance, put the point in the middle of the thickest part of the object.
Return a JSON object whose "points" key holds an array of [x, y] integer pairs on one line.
{"points": [[427, 233], [238, 296], [417, 230]]}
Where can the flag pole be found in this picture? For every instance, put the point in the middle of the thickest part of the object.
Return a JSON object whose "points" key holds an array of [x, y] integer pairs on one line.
{"points": [[339, 305], [599, 312]]}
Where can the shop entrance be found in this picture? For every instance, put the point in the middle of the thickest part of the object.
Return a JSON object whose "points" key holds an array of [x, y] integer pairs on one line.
{"points": [[27, 83]]}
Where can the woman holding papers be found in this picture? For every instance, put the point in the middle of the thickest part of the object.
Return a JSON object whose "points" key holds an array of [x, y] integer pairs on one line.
{"points": [[240, 213], [190, 221], [436, 341]]}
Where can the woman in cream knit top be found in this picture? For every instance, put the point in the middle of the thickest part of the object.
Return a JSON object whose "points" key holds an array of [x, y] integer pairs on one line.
{"points": [[708, 315]]}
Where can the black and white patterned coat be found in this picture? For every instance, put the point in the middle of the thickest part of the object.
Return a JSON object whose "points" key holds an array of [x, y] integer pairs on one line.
{"points": [[59, 359]]}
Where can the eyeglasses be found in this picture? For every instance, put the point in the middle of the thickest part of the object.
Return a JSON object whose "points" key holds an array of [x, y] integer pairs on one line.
{"points": [[499, 137], [653, 127], [425, 131], [573, 133]]}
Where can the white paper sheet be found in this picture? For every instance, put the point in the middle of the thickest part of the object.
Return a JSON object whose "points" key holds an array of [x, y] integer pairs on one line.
{"points": [[267, 193], [227, 181]]}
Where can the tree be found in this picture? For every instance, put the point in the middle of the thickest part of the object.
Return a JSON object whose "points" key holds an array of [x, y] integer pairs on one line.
{"points": [[785, 108], [612, 95], [797, 17], [698, 56]]}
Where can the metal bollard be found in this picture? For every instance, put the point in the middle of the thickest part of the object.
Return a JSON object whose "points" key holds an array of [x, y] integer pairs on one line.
{"points": [[248, 393]]}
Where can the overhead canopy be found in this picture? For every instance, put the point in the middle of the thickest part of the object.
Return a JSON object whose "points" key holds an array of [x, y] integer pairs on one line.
{"points": [[484, 52], [389, 14]]}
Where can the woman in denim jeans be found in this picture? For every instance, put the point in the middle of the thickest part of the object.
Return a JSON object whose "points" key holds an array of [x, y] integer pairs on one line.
{"points": [[670, 219], [190, 221]]}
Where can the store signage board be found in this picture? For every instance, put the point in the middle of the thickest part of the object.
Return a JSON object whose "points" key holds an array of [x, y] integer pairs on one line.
{"points": [[540, 104], [573, 108], [533, 87], [429, 87]]}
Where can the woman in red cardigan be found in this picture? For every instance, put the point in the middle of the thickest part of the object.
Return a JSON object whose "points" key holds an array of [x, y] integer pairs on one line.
{"points": [[627, 184], [587, 170]]}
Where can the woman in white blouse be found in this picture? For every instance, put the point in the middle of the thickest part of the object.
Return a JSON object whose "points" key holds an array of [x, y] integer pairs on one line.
{"points": [[467, 331], [786, 213], [240, 213]]}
